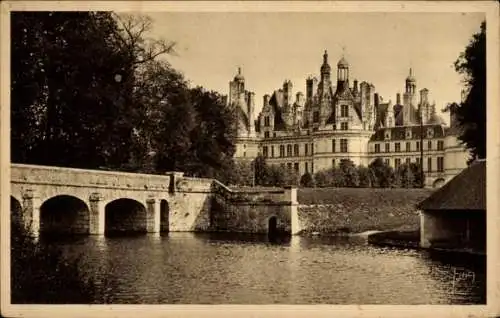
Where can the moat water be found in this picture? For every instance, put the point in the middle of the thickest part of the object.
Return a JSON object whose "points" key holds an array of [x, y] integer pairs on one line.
{"points": [[188, 268]]}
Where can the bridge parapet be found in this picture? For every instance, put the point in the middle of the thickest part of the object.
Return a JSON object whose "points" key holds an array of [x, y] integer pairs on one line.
{"points": [[44, 175], [194, 185]]}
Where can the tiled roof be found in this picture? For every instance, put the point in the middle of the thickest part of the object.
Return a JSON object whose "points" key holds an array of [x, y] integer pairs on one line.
{"points": [[399, 132], [466, 191]]}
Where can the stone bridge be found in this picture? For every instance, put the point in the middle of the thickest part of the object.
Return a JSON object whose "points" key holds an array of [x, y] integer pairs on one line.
{"points": [[76, 201]]}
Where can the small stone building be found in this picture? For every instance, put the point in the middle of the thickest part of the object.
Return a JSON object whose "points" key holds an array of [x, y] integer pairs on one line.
{"points": [[454, 217]]}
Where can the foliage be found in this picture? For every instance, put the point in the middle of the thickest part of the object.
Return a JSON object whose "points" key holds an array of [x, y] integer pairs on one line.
{"points": [[91, 90], [409, 176], [40, 275], [307, 180], [365, 177], [471, 112], [383, 174]]}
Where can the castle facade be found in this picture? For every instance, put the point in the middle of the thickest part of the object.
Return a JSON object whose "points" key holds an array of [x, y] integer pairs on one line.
{"points": [[335, 121]]}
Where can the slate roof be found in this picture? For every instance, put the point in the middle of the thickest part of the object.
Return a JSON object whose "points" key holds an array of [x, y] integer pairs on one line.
{"points": [[466, 191], [399, 132]]}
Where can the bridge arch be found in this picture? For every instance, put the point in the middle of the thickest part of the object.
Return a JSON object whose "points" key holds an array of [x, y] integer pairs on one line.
{"points": [[438, 183], [164, 216], [272, 228], [16, 211], [125, 216], [64, 214]]}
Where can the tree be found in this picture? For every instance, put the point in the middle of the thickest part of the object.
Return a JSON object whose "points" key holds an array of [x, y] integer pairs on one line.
{"points": [[66, 99], [322, 178], [471, 112], [383, 174], [307, 180], [365, 179], [213, 137], [349, 172]]}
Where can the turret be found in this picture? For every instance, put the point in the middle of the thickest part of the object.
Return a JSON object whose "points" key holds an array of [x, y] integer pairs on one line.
{"points": [[311, 87], [287, 92]]}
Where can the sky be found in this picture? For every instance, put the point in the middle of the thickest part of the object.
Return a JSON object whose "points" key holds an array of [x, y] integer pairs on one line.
{"points": [[272, 47]]}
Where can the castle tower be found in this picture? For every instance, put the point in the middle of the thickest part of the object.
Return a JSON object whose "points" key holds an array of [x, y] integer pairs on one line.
{"points": [[409, 98], [424, 104], [236, 88], [342, 72], [325, 69]]}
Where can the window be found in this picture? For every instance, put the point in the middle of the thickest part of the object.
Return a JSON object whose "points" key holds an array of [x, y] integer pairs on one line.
{"points": [[408, 147], [306, 167], [408, 133], [333, 146], [418, 145], [296, 150], [440, 164], [429, 164], [316, 117], [397, 163], [289, 166], [429, 144], [377, 148], [387, 147], [343, 126], [244, 154], [306, 150], [282, 151], [312, 167], [333, 163], [387, 134], [440, 145], [272, 151], [343, 145], [266, 134], [408, 161], [296, 167], [264, 151], [288, 150], [282, 165], [344, 111], [266, 121], [312, 149], [274, 135], [387, 162], [397, 147], [334, 126], [419, 161], [430, 133]]}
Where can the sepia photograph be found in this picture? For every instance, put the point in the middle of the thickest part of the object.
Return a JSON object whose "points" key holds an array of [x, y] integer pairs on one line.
{"points": [[248, 156]]}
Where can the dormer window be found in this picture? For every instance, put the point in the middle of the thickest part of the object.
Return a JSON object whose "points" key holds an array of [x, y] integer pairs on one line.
{"points": [[408, 133], [344, 111], [430, 133], [387, 134]]}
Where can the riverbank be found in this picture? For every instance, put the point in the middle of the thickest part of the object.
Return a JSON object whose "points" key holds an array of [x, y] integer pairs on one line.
{"points": [[411, 240], [343, 211]]}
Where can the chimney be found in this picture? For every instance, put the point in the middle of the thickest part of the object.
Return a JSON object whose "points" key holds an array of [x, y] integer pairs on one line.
{"points": [[398, 99], [266, 100], [377, 99], [355, 86], [424, 93]]}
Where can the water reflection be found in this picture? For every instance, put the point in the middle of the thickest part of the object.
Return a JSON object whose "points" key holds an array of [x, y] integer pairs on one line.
{"points": [[212, 268]]}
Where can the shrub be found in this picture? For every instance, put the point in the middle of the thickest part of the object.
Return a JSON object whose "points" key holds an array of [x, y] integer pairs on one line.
{"points": [[40, 275]]}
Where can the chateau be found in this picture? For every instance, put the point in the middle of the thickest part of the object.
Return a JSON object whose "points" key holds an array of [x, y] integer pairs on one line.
{"points": [[336, 121]]}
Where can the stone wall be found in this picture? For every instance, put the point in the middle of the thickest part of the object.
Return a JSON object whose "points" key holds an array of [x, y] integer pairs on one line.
{"points": [[357, 210], [250, 211]]}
